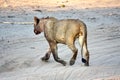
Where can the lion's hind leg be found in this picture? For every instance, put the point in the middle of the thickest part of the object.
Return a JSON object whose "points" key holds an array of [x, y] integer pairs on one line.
{"points": [[75, 51], [70, 42]]}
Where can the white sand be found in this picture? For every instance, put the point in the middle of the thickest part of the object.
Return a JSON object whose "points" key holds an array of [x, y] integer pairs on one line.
{"points": [[21, 50]]}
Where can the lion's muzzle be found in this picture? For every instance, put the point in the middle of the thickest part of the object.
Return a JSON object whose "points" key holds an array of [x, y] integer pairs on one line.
{"points": [[37, 32]]}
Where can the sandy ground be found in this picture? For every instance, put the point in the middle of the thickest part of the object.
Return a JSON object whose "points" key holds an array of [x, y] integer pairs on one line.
{"points": [[21, 50]]}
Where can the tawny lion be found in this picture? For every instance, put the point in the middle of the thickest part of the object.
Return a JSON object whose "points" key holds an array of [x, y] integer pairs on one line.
{"points": [[63, 31]]}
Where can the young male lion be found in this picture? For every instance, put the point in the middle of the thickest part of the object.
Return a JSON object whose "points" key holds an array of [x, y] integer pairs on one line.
{"points": [[63, 31]]}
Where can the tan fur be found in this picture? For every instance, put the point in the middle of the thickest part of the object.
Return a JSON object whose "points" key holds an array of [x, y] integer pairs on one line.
{"points": [[63, 31]]}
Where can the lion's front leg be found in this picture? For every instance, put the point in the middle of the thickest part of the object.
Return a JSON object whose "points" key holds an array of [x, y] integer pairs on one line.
{"points": [[53, 47], [47, 55]]}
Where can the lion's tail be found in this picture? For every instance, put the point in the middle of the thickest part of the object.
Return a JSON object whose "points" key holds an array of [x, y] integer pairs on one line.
{"points": [[84, 34]]}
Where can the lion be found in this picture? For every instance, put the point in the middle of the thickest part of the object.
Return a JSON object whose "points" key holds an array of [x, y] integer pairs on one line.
{"points": [[64, 31]]}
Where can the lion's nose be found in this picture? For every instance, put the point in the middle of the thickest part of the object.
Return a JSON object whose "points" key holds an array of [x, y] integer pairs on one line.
{"points": [[35, 31]]}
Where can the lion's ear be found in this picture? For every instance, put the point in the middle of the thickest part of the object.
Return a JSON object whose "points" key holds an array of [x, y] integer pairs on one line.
{"points": [[36, 20]]}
